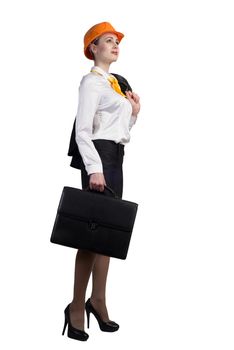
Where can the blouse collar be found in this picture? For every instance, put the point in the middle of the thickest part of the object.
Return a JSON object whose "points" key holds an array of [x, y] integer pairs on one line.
{"points": [[101, 71]]}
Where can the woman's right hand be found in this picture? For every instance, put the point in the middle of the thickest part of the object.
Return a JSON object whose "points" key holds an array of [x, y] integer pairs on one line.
{"points": [[97, 182]]}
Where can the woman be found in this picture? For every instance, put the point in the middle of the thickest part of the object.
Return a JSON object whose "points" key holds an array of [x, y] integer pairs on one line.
{"points": [[103, 121]]}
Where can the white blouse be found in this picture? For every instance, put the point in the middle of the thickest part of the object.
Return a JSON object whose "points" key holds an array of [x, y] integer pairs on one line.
{"points": [[102, 113]]}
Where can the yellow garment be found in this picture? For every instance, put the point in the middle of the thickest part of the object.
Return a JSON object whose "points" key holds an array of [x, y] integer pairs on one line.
{"points": [[114, 83]]}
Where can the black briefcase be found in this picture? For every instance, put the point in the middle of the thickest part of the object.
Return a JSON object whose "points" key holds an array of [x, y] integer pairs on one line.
{"points": [[93, 220]]}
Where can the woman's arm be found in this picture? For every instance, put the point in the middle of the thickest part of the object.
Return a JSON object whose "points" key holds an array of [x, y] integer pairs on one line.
{"points": [[89, 97], [134, 100]]}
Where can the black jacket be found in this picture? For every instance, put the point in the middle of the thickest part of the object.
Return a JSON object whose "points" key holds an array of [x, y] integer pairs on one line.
{"points": [[73, 150]]}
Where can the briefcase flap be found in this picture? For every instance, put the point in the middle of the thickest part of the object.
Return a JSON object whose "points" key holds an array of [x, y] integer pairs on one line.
{"points": [[98, 208]]}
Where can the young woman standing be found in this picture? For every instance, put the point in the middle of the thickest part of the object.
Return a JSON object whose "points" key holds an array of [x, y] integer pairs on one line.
{"points": [[104, 118]]}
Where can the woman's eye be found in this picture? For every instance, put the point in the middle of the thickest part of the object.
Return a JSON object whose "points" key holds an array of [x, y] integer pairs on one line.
{"points": [[111, 40]]}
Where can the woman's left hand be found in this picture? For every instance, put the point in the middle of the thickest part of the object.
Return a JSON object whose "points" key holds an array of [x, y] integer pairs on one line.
{"points": [[134, 100]]}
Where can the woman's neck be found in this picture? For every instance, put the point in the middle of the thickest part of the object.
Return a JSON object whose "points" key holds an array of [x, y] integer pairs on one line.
{"points": [[104, 66]]}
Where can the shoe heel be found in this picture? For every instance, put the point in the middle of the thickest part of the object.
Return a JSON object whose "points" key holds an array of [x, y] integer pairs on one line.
{"points": [[109, 326], [72, 332], [88, 317], [65, 325]]}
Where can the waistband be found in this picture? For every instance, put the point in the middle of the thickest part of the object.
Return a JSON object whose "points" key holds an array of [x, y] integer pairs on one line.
{"points": [[109, 148], [109, 142]]}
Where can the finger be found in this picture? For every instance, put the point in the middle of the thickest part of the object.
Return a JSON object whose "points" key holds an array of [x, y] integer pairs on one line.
{"points": [[129, 97], [94, 187], [136, 97]]}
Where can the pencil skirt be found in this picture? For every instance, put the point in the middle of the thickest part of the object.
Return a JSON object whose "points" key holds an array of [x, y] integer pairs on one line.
{"points": [[112, 155]]}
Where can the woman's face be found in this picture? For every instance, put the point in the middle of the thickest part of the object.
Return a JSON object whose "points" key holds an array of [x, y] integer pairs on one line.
{"points": [[107, 48]]}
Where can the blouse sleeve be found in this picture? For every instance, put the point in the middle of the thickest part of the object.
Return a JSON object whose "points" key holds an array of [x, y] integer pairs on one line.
{"points": [[132, 121], [89, 97]]}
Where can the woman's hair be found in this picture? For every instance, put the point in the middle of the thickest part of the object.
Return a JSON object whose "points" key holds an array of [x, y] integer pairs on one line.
{"points": [[95, 41]]}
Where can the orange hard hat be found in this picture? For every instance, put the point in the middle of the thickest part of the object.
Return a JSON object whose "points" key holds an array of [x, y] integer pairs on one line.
{"points": [[96, 31]]}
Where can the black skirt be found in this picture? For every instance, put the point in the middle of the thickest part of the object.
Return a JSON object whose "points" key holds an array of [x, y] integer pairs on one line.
{"points": [[111, 154]]}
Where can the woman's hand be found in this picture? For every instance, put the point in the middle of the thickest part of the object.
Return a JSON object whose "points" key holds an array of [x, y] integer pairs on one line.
{"points": [[134, 100], [97, 182]]}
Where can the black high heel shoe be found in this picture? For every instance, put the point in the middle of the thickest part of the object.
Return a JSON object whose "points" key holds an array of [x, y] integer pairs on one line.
{"points": [[109, 326], [72, 332]]}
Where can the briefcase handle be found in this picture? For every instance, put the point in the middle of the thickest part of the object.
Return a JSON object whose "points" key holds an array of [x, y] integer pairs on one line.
{"points": [[105, 187]]}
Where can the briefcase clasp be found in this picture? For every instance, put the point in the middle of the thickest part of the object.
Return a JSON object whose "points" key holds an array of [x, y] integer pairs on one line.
{"points": [[93, 225]]}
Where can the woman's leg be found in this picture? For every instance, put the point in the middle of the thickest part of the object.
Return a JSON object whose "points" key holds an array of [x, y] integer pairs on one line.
{"points": [[83, 267], [114, 178], [99, 277]]}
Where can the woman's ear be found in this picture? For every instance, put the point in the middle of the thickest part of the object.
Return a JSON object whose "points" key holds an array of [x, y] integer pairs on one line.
{"points": [[92, 49]]}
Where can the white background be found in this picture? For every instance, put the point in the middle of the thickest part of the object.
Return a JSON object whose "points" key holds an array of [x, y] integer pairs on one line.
{"points": [[175, 289]]}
